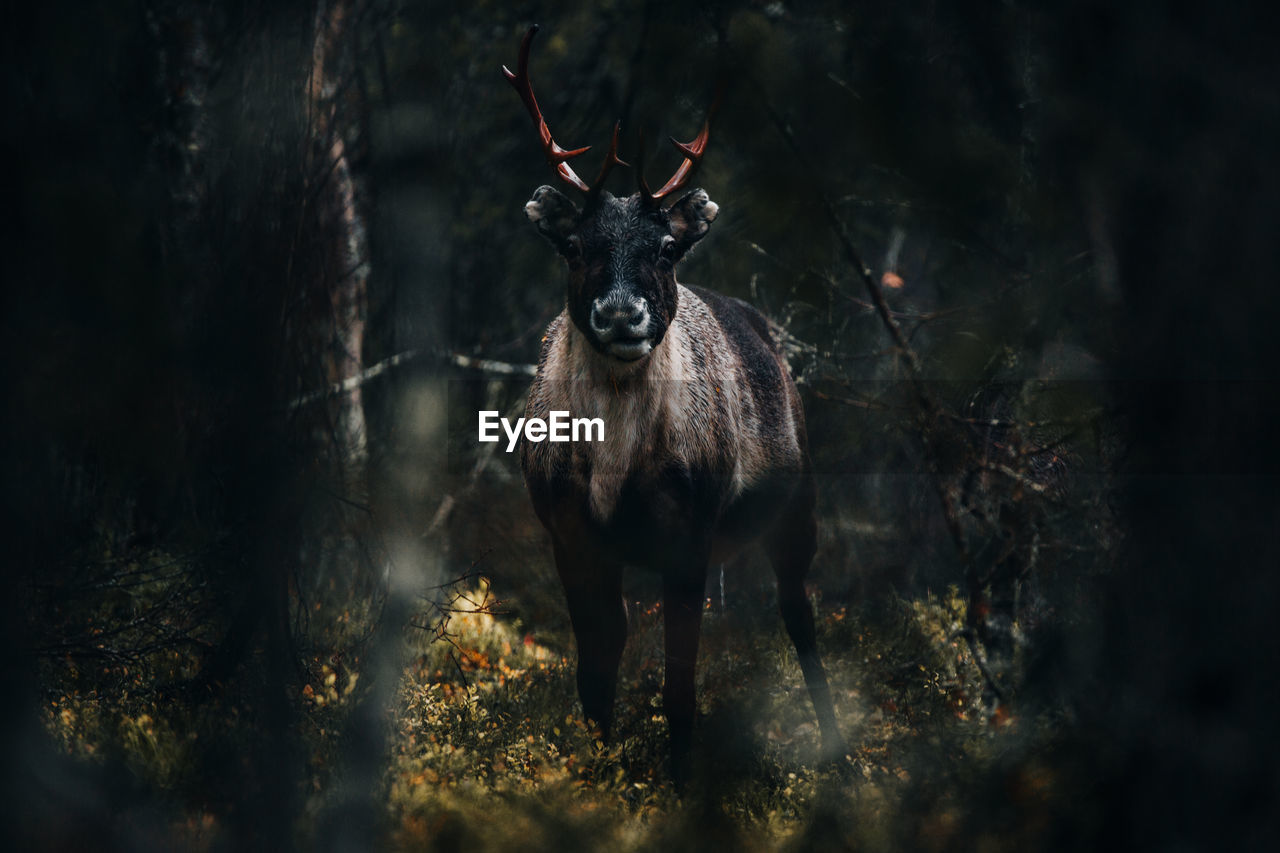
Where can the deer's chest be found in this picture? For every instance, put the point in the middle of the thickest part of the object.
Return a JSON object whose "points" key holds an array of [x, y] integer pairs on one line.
{"points": [[647, 434]]}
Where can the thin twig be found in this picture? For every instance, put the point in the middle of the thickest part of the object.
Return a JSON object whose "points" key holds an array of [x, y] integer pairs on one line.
{"points": [[849, 401], [975, 649], [353, 382], [931, 408]]}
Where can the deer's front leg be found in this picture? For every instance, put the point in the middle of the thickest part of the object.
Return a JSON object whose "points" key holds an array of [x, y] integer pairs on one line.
{"points": [[682, 590], [593, 590]]}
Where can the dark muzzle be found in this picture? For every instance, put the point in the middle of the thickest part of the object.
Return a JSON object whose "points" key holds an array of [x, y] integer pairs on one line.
{"points": [[622, 327]]}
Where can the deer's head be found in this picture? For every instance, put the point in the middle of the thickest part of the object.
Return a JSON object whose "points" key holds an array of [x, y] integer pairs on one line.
{"points": [[621, 252]]}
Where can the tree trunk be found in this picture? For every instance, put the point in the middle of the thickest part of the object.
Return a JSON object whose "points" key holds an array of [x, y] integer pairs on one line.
{"points": [[336, 108]]}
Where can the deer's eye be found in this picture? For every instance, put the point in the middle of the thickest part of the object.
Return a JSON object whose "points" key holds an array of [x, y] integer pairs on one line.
{"points": [[666, 248]]}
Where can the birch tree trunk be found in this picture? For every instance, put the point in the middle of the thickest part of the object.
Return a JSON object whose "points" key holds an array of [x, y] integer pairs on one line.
{"points": [[336, 107]]}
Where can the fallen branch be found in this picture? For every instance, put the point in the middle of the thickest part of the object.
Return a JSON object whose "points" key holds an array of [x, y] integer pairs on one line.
{"points": [[487, 365]]}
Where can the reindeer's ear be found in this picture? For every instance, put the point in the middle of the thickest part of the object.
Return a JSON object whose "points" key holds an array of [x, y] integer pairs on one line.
{"points": [[554, 215], [691, 218]]}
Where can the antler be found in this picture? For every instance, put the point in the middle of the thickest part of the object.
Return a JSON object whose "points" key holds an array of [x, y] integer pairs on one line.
{"points": [[556, 155], [692, 151]]}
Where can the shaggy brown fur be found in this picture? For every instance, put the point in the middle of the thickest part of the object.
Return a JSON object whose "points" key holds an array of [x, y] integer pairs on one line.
{"points": [[704, 446]]}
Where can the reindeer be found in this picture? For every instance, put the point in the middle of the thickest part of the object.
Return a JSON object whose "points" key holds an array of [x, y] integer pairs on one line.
{"points": [[704, 448]]}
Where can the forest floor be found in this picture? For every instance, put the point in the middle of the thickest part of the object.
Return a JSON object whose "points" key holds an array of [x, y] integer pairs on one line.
{"points": [[489, 750], [492, 751]]}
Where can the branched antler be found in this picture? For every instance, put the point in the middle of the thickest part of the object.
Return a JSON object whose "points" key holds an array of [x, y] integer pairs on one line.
{"points": [[556, 155], [692, 151]]}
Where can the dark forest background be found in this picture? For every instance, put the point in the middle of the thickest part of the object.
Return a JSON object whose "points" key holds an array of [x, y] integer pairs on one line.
{"points": [[266, 260]]}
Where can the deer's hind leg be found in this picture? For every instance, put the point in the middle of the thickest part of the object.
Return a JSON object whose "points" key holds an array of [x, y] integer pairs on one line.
{"points": [[682, 591], [790, 546]]}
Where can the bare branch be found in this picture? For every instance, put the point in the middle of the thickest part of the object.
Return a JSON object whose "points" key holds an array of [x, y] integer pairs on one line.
{"points": [[487, 365]]}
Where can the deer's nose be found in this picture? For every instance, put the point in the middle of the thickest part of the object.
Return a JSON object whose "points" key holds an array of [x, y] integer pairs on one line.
{"points": [[612, 319]]}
